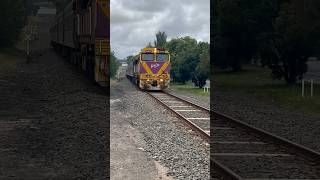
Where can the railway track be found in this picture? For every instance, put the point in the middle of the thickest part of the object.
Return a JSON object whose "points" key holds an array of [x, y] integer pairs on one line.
{"points": [[241, 151], [195, 116]]}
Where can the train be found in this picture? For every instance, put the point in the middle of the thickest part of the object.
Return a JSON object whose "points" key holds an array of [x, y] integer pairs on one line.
{"points": [[81, 32], [150, 69]]}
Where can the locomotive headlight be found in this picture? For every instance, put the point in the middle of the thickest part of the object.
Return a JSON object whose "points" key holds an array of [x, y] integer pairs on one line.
{"points": [[161, 80], [148, 79]]}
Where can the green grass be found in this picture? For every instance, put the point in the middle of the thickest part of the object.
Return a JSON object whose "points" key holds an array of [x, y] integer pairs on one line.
{"points": [[257, 82], [188, 87]]}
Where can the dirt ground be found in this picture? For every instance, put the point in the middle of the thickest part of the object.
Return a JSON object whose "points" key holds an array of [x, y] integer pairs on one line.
{"points": [[53, 120], [127, 155], [148, 142]]}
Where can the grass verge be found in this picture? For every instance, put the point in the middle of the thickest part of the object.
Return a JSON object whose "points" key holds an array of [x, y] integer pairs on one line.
{"points": [[188, 87], [257, 82]]}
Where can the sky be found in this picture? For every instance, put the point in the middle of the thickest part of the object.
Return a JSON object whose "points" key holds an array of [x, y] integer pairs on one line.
{"points": [[134, 23]]}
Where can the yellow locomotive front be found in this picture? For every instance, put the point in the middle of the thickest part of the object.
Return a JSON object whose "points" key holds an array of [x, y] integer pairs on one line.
{"points": [[153, 69]]}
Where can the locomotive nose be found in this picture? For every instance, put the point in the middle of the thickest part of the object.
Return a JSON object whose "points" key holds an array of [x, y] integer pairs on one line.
{"points": [[154, 83]]}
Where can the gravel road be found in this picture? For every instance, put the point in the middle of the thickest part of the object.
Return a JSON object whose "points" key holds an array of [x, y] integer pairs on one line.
{"points": [[166, 139]]}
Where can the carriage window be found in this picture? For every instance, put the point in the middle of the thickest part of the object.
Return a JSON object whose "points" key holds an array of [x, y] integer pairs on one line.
{"points": [[147, 57], [162, 57]]}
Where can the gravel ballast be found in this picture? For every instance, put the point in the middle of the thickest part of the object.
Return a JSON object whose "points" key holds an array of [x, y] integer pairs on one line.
{"points": [[167, 139], [289, 124], [53, 120], [203, 101], [293, 125]]}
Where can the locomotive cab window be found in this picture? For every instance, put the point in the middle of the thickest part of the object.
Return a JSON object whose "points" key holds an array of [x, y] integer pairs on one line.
{"points": [[147, 57], [162, 57]]}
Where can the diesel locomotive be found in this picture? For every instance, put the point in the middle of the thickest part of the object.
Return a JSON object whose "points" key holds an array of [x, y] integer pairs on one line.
{"points": [[150, 70], [81, 32]]}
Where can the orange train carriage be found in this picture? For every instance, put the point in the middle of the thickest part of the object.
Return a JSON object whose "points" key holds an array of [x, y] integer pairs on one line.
{"points": [[81, 31]]}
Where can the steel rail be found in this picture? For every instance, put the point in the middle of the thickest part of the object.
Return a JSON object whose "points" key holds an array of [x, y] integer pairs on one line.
{"points": [[300, 149], [192, 125], [226, 172], [186, 101], [314, 155], [223, 170], [216, 165]]}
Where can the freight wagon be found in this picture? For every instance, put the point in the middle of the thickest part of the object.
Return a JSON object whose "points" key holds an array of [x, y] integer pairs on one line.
{"points": [[81, 32]]}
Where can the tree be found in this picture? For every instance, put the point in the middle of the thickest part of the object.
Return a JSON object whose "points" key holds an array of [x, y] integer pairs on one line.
{"points": [[149, 45], [202, 72], [113, 64], [283, 34], [161, 40], [12, 18], [184, 57], [295, 38], [237, 24], [130, 58], [186, 53]]}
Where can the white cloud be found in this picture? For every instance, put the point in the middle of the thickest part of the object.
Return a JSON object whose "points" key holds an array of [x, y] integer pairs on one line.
{"points": [[135, 23]]}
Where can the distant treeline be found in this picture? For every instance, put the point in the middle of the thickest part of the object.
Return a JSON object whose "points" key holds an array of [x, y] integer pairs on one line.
{"points": [[280, 34], [190, 59], [13, 16]]}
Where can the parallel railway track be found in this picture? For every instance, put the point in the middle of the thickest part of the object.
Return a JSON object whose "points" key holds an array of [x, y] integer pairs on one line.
{"points": [[241, 151]]}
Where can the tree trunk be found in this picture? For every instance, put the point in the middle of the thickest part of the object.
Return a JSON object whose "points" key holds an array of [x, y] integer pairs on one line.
{"points": [[290, 79]]}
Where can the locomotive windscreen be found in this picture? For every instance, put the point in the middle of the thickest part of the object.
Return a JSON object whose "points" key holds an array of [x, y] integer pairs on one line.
{"points": [[162, 57], [147, 57]]}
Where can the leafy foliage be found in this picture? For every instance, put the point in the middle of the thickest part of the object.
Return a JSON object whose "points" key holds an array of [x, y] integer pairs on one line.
{"points": [[295, 38], [113, 64], [188, 59], [130, 58], [12, 18], [184, 58], [203, 68], [238, 24], [280, 33], [161, 40]]}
